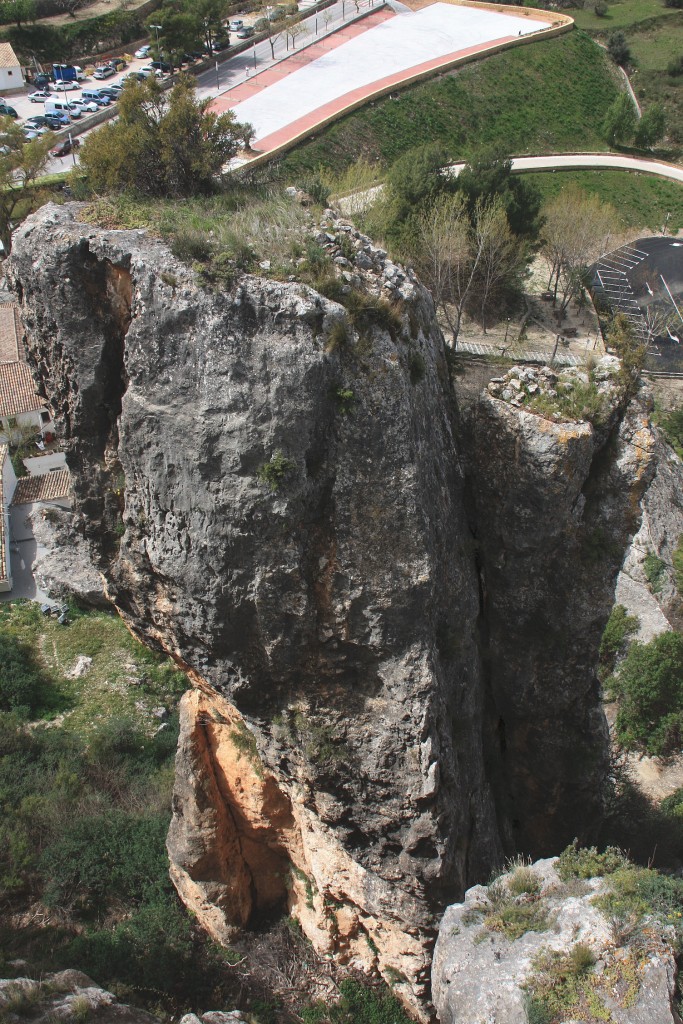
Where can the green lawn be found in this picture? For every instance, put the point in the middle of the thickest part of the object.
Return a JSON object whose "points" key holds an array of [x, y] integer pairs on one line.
{"points": [[620, 15], [655, 36], [642, 201], [124, 679], [547, 97]]}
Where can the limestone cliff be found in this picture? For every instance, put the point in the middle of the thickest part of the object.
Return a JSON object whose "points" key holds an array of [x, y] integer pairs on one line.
{"points": [[391, 616]]}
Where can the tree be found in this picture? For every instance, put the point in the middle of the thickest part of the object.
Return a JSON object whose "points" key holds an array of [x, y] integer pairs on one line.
{"points": [[577, 228], [210, 14], [182, 32], [18, 11], [488, 176], [649, 686], [20, 165], [651, 127], [416, 178], [447, 256], [620, 120], [618, 48], [166, 144], [621, 337], [503, 257]]}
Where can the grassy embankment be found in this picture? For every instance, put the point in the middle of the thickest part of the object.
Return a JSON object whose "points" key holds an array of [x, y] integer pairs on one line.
{"points": [[547, 97], [642, 201], [655, 36]]}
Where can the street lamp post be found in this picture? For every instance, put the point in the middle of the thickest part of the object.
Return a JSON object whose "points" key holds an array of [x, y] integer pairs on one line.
{"points": [[157, 29]]}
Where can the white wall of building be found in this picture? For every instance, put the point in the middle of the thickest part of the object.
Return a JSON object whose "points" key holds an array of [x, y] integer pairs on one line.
{"points": [[11, 78]]}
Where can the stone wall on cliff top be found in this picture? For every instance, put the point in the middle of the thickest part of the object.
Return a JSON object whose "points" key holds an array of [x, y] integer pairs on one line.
{"points": [[392, 629]]}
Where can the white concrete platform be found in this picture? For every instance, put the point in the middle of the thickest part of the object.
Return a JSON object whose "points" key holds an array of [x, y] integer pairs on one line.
{"points": [[406, 41]]}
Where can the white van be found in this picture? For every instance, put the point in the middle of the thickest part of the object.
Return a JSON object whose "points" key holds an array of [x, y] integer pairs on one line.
{"points": [[95, 96], [63, 107]]}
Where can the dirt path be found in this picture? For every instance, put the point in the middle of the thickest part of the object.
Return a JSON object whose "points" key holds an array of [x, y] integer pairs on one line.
{"points": [[91, 11]]}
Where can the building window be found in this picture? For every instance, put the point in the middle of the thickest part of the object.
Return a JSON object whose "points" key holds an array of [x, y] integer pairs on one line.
{"points": [[9, 72], [45, 417]]}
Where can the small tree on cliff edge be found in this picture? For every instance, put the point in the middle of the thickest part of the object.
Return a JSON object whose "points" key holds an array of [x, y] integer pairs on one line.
{"points": [[163, 144], [20, 164]]}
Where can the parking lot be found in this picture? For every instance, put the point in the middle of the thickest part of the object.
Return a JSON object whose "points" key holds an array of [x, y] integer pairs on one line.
{"points": [[644, 282]]}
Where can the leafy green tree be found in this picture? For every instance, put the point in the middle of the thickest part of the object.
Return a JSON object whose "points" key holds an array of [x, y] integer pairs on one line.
{"points": [[167, 144], [210, 14], [649, 686], [181, 31], [18, 11], [618, 631], [620, 120], [20, 164], [651, 127], [618, 48], [489, 176], [621, 338], [416, 178]]}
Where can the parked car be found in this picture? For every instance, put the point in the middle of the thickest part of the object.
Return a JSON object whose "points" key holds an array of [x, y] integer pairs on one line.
{"points": [[66, 86], [41, 80], [106, 71], [43, 121], [110, 91], [161, 65], [64, 147], [40, 96], [148, 71], [118, 63], [245, 32], [134, 76], [143, 52], [189, 58], [235, 25], [6, 111], [56, 121], [89, 106], [34, 130]]}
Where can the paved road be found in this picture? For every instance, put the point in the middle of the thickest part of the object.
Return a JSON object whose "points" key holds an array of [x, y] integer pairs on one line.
{"points": [[358, 201]]}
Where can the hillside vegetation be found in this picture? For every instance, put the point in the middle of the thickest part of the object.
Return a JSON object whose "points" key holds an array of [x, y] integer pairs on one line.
{"points": [[654, 33], [644, 201], [547, 97]]}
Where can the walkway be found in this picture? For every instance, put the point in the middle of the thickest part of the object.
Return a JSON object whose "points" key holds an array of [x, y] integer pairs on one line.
{"points": [[356, 202]]}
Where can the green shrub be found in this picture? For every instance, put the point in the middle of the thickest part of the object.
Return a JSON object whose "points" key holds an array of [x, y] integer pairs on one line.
{"points": [[103, 858], [359, 1003], [188, 245], [655, 572], [649, 686], [560, 986], [586, 862], [620, 627], [273, 473], [677, 560], [523, 880], [673, 805], [23, 682]]}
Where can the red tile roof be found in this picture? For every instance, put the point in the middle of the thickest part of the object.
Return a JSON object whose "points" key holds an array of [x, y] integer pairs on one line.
{"points": [[17, 390], [46, 487], [10, 332]]}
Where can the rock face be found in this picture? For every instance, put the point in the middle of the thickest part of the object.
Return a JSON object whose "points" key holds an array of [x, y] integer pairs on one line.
{"points": [[480, 973], [63, 562], [391, 617]]}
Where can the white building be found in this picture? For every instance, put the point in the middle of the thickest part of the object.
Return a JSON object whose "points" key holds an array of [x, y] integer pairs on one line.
{"points": [[8, 483], [22, 411], [11, 75]]}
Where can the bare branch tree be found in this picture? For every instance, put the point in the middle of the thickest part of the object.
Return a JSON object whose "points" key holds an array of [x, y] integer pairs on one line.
{"points": [[577, 229], [447, 257], [503, 256]]}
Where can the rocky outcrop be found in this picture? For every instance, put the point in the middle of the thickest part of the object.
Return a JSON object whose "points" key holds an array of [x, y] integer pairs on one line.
{"points": [[63, 564], [577, 961], [391, 617], [65, 996]]}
